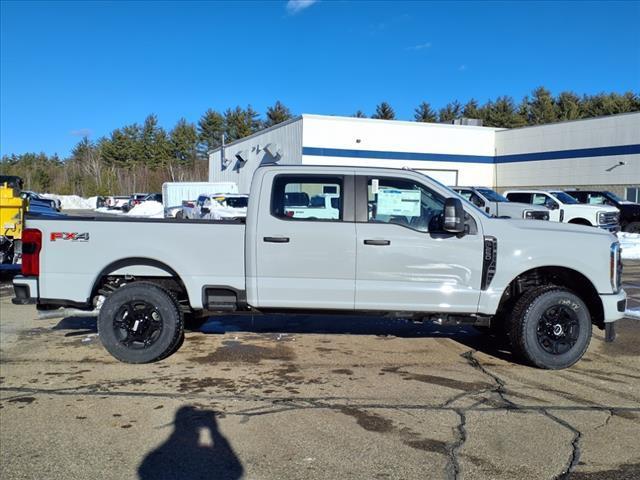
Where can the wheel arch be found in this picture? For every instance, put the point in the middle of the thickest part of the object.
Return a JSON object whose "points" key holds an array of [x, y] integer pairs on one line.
{"points": [[145, 268], [560, 276], [580, 221]]}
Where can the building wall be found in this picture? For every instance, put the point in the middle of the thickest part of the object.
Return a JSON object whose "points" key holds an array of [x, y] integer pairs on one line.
{"points": [[453, 154], [287, 136], [590, 144]]}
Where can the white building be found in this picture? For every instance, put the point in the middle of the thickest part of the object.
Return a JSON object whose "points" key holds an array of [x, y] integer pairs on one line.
{"points": [[599, 153]]}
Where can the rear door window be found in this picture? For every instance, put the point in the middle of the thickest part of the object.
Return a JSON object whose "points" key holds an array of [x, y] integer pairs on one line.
{"points": [[519, 197], [303, 198]]}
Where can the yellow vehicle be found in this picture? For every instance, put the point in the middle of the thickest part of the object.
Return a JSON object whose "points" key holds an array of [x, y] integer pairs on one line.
{"points": [[12, 210]]}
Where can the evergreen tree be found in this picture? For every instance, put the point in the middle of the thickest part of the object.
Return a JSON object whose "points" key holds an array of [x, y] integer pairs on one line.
{"points": [[424, 113], [184, 142], [502, 113], [523, 114], [542, 107], [240, 123], [359, 114], [450, 112], [277, 114], [384, 112], [568, 106], [210, 130], [472, 109]]}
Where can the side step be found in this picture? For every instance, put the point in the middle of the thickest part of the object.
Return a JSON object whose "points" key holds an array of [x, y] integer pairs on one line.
{"points": [[220, 299]]}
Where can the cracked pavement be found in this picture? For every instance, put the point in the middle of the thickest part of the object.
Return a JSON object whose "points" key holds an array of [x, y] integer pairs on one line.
{"points": [[313, 397]]}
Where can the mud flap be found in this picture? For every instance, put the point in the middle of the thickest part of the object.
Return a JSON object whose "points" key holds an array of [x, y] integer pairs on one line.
{"points": [[609, 332]]}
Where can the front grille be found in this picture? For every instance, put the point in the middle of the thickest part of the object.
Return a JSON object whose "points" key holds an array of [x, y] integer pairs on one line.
{"points": [[608, 218]]}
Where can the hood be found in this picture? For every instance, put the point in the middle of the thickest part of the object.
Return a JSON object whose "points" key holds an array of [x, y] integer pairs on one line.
{"points": [[583, 207], [553, 227], [630, 209]]}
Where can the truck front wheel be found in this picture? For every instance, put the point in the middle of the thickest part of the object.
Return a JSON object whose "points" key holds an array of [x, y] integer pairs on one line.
{"points": [[140, 323], [550, 327]]}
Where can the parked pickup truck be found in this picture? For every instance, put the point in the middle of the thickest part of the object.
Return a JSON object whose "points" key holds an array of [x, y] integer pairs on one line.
{"points": [[398, 243], [495, 204], [566, 209], [629, 211]]}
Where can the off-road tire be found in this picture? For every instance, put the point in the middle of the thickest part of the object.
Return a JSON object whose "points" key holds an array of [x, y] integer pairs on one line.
{"points": [[166, 304], [524, 322]]}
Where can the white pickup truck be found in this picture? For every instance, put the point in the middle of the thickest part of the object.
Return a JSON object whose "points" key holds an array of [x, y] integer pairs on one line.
{"points": [[495, 204], [566, 209], [398, 243]]}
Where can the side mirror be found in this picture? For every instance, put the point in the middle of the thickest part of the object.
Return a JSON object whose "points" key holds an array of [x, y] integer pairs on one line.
{"points": [[453, 221], [205, 210]]}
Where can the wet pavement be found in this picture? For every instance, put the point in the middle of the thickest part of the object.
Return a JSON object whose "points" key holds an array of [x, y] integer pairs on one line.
{"points": [[313, 397]]}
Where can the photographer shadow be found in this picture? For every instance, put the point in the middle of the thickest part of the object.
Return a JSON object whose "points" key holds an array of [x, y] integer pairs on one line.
{"points": [[185, 456]]}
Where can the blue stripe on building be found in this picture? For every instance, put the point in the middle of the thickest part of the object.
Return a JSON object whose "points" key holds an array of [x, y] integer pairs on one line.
{"points": [[443, 157]]}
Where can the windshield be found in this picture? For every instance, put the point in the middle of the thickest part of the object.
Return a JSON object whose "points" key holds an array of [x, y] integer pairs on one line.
{"points": [[614, 197], [491, 195], [565, 198]]}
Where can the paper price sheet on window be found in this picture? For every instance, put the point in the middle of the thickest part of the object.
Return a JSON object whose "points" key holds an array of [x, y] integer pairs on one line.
{"points": [[398, 202]]}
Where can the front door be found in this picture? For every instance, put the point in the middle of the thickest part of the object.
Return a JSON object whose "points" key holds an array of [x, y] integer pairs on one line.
{"points": [[405, 262], [306, 246]]}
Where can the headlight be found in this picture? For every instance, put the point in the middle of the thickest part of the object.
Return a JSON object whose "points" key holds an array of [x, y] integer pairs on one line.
{"points": [[535, 215], [527, 214], [615, 267]]}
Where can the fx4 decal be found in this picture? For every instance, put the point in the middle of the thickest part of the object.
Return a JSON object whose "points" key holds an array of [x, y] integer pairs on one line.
{"points": [[73, 236]]}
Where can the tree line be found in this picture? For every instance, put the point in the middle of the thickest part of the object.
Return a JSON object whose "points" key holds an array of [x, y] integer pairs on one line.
{"points": [[140, 157]]}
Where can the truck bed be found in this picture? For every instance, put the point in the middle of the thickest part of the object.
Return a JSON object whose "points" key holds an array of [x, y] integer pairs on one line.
{"points": [[201, 253]]}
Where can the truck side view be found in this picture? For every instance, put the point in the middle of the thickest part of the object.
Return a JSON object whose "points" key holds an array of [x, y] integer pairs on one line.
{"points": [[396, 242], [564, 208]]}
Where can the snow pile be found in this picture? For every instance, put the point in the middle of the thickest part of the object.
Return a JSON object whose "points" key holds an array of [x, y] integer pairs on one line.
{"points": [[148, 209], [630, 243], [109, 211], [73, 202]]}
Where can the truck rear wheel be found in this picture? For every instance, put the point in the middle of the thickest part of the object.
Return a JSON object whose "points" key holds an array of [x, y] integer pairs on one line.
{"points": [[140, 323], [550, 327]]}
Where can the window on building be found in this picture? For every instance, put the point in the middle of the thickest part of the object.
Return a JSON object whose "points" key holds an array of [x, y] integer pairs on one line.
{"points": [[633, 194]]}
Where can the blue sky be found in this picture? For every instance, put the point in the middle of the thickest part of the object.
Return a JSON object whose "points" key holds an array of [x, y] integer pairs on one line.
{"points": [[76, 68]]}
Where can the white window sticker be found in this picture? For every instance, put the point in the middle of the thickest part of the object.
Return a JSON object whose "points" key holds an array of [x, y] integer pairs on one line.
{"points": [[374, 186], [393, 201]]}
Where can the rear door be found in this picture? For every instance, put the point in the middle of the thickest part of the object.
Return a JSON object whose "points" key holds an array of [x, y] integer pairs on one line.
{"points": [[306, 255], [405, 262]]}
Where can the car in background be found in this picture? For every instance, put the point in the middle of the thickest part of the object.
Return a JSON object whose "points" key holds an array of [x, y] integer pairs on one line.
{"points": [[38, 200], [216, 206], [321, 206], [116, 202], [498, 206], [629, 211], [153, 197], [135, 199], [566, 209]]}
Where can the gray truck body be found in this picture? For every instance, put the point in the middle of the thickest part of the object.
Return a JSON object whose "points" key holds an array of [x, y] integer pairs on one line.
{"points": [[325, 264]]}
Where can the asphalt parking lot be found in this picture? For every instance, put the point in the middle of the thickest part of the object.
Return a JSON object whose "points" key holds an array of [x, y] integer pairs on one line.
{"points": [[313, 397]]}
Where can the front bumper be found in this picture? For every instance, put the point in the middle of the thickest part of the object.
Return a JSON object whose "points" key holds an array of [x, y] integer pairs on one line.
{"points": [[613, 228], [614, 306], [25, 289]]}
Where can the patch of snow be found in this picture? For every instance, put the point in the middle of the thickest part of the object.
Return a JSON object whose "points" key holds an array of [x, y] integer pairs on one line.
{"points": [[630, 243], [148, 209], [72, 202], [110, 211]]}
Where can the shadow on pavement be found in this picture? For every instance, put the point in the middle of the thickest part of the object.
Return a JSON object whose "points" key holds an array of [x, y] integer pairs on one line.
{"points": [[323, 324], [184, 455]]}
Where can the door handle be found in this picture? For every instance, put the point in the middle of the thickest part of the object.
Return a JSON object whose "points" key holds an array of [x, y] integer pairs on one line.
{"points": [[377, 242], [276, 239]]}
